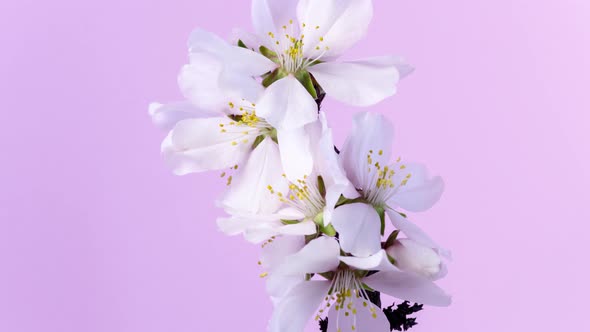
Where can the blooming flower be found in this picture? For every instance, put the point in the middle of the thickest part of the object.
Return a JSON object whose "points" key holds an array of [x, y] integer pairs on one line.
{"points": [[300, 41], [383, 184], [344, 292], [308, 202]]}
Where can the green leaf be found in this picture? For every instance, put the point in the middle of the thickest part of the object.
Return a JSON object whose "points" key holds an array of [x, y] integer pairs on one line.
{"points": [[304, 78], [241, 44]]}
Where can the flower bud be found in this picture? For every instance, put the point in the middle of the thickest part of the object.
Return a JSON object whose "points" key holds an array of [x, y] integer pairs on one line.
{"points": [[413, 257]]}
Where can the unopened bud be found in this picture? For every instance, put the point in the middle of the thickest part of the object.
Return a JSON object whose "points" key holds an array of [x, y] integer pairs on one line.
{"points": [[413, 257]]}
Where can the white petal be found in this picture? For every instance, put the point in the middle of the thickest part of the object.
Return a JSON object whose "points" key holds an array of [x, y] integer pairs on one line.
{"points": [[420, 193], [408, 286], [328, 166], [294, 310], [363, 320], [165, 116], [370, 132], [341, 23], [271, 15], [307, 227], [248, 191], [242, 60], [411, 230], [277, 286], [275, 252], [199, 83], [287, 105], [295, 153], [237, 224], [376, 262], [318, 256], [251, 40], [359, 83], [359, 227], [196, 145], [350, 27], [290, 213]]}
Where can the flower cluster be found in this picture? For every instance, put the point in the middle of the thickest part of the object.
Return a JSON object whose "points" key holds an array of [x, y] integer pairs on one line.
{"points": [[331, 222]]}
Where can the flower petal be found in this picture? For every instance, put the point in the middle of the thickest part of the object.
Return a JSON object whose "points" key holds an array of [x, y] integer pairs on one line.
{"points": [[318, 256], [165, 116], [411, 230], [248, 191], [294, 310], [271, 15], [196, 145], [287, 105], [409, 287], [367, 318], [242, 60], [360, 83], [274, 253], [371, 132], [199, 83], [421, 191], [295, 153], [376, 262], [328, 166], [339, 24], [359, 227]]}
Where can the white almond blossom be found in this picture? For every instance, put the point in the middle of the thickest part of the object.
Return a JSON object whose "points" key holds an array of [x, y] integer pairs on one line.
{"points": [[252, 113], [384, 184], [307, 204], [341, 292]]}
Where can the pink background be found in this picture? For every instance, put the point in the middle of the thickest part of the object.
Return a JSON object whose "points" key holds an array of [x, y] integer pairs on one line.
{"points": [[96, 235]]}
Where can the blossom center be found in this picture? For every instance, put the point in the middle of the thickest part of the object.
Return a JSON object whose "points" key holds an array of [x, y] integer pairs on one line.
{"points": [[303, 195], [382, 182], [348, 296], [288, 45]]}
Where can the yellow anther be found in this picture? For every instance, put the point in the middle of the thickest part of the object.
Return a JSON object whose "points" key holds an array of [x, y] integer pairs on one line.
{"points": [[223, 174], [263, 275], [380, 152]]}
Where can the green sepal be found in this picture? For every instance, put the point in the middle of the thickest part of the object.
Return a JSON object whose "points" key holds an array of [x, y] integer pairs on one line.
{"points": [[276, 75], [304, 78], [391, 239], [403, 215], [365, 286], [381, 211], [289, 222], [391, 260], [343, 200], [321, 186], [241, 44], [268, 53], [257, 141], [328, 230], [319, 219], [273, 135], [327, 275]]}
